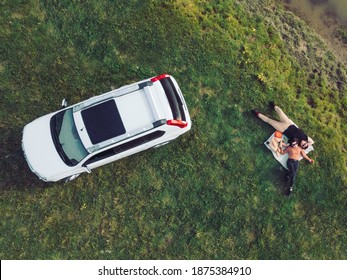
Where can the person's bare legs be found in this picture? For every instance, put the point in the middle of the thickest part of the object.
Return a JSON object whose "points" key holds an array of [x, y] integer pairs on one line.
{"points": [[282, 115], [278, 125]]}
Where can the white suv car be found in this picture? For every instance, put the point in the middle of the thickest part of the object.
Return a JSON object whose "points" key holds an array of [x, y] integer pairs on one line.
{"points": [[105, 128]]}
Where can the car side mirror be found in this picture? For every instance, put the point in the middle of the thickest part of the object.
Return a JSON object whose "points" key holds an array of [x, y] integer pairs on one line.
{"points": [[88, 169], [64, 103]]}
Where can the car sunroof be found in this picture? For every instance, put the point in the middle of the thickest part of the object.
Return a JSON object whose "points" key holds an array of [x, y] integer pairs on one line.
{"points": [[103, 122]]}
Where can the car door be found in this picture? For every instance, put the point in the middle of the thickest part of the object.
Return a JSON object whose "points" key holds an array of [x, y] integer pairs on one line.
{"points": [[101, 158], [123, 150]]}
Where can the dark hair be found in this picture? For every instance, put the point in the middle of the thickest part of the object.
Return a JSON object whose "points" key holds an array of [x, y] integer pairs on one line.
{"points": [[305, 146], [294, 140]]}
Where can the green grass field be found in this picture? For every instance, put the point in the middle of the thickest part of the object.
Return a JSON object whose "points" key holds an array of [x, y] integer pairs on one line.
{"points": [[216, 192]]}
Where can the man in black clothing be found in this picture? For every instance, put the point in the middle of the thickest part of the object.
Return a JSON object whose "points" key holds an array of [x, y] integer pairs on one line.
{"points": [[294, 155]]}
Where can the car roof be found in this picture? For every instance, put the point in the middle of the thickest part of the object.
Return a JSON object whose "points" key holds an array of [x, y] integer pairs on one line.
{"points": [[103, 121], [120, 114]]}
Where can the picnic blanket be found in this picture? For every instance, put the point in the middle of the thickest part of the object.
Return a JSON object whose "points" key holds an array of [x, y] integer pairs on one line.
{"points": [[282, 159]]}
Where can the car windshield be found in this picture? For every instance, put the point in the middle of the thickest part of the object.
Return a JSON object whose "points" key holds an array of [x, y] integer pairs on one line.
{"points": [[66, 138]]}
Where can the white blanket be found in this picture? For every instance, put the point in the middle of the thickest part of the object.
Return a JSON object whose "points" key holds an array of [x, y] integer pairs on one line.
{"points": [[282, 159]]}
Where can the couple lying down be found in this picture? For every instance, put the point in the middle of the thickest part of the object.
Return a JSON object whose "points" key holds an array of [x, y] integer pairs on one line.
{"points": [[299, 144]]}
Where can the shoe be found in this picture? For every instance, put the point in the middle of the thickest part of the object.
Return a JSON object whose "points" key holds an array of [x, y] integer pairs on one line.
{"points": [[272, 104], [255, 112]]}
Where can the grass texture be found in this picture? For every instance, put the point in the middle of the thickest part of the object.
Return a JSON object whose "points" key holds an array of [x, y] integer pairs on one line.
{"points": [[214, 193]]}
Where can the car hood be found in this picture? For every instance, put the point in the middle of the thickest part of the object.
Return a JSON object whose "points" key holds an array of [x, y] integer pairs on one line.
{"points": [[39, 150]]}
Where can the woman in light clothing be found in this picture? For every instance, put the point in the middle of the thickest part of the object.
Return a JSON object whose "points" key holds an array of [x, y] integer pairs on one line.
{"points": [[286, 126]]}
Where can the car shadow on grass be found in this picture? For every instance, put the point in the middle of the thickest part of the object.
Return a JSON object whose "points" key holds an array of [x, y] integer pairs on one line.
{"points": [[14, 170]]}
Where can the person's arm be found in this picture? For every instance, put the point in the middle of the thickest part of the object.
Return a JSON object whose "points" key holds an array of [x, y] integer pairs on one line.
{"points": [[284, 144], [282, 152], [310, 141], [306, 156]]}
